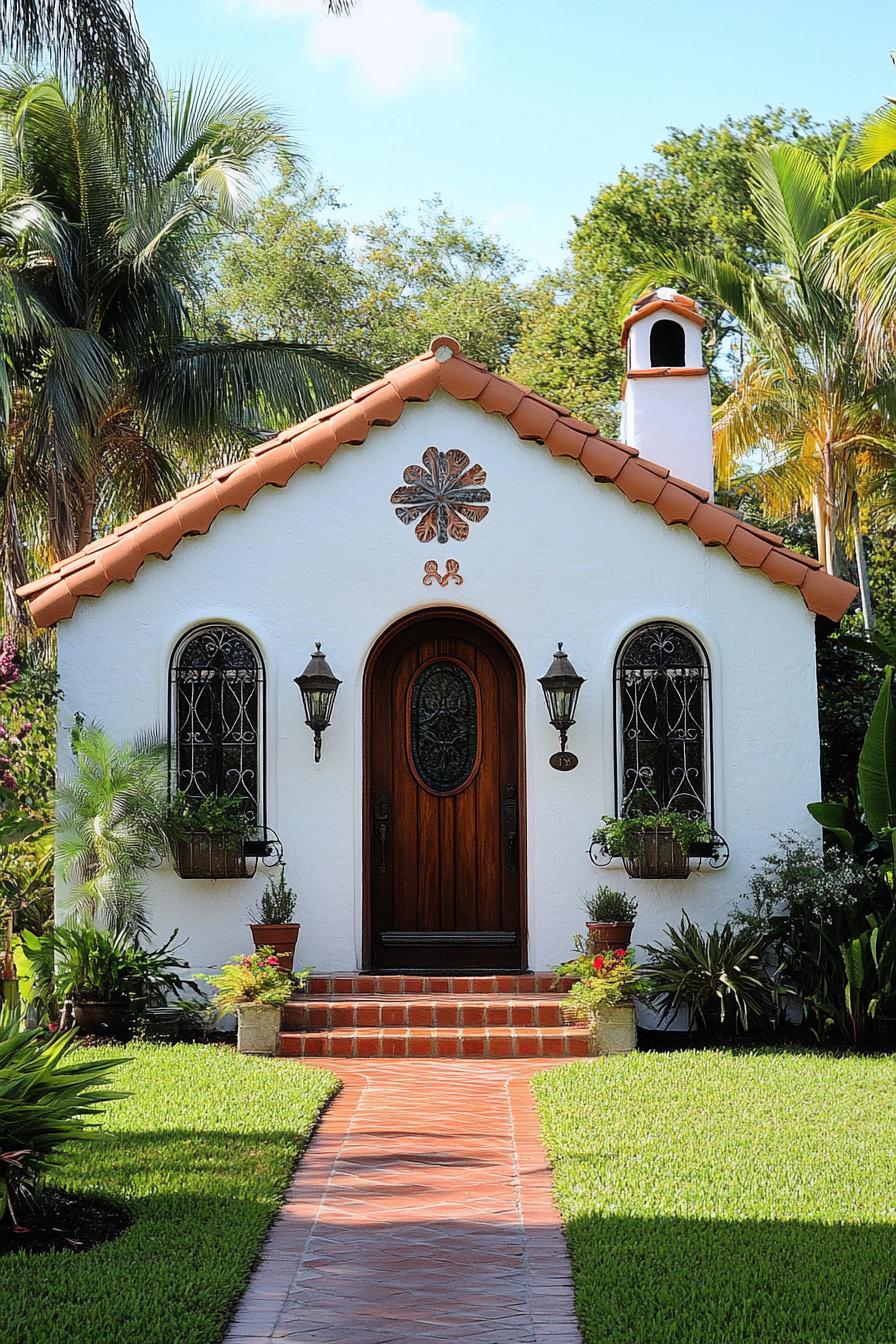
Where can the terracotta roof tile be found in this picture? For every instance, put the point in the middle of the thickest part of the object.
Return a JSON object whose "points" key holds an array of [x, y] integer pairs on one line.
{"points": [[748, 548], [157, 531], [712, 524], [825, 594], [603, 460], [564, 441], [501, 396], [463, 380], [675, 504], [532, 419], [639, 484]]}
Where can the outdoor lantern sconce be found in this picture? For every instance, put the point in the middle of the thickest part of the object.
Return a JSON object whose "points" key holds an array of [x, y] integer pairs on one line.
{"points": [[318, 687], [561, 685]]}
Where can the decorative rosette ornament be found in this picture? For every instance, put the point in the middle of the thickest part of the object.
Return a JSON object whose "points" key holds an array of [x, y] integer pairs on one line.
{"points": [[443, 496]]}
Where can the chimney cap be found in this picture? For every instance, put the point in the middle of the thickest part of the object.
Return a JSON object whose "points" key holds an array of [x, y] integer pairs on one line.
{"points": [[655, 300]]}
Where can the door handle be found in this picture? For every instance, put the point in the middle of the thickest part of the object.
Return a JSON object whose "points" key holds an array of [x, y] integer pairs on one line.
{"points": [[382, 815], [510, 824]]}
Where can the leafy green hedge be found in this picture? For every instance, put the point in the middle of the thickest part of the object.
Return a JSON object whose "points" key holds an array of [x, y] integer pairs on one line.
{"points": [[201, 1152], [728, 1197]]}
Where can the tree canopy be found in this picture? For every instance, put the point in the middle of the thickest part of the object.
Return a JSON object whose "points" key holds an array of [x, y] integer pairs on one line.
{"points": [[694, 195], [298, 271]]}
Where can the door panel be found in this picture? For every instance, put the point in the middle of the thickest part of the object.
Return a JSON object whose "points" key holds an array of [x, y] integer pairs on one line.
{"points": [[442, 754]]}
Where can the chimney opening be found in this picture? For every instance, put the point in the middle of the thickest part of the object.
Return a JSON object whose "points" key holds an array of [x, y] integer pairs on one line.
{"points": [[667, 345]]}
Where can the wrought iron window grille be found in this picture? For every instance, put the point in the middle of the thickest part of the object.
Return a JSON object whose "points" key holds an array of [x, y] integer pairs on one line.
{"points": [[663, 732], [216, 727]]}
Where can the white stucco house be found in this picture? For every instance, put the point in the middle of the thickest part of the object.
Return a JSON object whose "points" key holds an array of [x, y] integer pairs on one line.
{"points": [[438, 534]]}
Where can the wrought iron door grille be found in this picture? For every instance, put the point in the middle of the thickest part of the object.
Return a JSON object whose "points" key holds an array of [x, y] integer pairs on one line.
{"points": [[217, 711], [664, 724]]}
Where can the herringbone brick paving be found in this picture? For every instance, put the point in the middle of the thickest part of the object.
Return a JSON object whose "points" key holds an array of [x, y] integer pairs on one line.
{"points": [[422, 1211]]}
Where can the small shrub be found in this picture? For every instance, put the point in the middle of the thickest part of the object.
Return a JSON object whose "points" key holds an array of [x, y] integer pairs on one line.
{"points": [[277, 904], [89, 965], [607, 906], [815, 910]]}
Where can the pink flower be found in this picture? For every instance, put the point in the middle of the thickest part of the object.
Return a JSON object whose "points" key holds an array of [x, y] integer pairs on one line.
{"points": [[273, 961], [53, 1026]]}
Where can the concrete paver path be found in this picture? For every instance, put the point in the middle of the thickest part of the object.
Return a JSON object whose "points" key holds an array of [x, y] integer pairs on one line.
{"points": [[422, 1211]]}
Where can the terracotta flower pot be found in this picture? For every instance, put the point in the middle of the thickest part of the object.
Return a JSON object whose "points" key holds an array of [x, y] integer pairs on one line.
{"points": [[614, 1032], [660, 855], [258, 1028], [606, 937], [281, 937]]}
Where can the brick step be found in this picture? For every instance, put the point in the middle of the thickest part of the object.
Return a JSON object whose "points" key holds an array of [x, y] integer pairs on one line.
{"points": [[321, 1013], [438, 1043], [541, 982]]}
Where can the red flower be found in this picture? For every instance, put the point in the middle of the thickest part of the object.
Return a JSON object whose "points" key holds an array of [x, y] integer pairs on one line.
{"points": [[52, 1026], [620, 953], [273, 961], [598, 963]]}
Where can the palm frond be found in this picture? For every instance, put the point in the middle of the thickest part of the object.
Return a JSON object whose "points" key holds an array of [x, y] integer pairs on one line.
{"points": [[206, 386]]}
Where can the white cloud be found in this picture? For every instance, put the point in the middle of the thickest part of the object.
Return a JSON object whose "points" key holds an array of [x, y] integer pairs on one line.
{"points": [[391, 46]]}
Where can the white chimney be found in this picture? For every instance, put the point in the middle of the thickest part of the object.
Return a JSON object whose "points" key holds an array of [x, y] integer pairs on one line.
{"points": [[667, 413]]}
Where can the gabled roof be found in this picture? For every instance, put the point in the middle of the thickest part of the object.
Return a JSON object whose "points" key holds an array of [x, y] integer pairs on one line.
{"points": [[117, 557]]}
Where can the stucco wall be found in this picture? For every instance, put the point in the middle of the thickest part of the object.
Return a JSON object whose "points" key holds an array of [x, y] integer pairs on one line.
{"points": [[558, 557]]}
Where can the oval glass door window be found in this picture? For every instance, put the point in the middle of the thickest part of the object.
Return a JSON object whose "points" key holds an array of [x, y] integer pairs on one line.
{"points": [[443, 726]]}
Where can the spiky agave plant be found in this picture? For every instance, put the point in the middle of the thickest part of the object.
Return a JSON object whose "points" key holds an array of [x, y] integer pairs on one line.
{"points": [[112, 814], [47, 1101], [714, 975]]}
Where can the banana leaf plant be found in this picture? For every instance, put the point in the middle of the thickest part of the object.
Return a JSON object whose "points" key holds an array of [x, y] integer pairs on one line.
{"points": [[874, 829]]}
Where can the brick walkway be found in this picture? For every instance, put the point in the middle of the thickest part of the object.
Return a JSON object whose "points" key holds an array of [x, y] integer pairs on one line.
{"points": [[422, 1211]]}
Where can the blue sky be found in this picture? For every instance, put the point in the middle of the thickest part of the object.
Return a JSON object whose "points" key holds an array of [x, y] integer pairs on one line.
{"points": [[515, 111]]}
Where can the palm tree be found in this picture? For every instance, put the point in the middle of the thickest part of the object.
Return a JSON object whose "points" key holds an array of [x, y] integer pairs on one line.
{"points": [[95, 45], [859, 250], [112, 400], [805, 399], [111, 824]]}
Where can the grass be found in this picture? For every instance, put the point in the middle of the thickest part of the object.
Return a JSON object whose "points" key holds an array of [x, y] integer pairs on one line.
{"points": [[201, 1152], [728, 1197]]}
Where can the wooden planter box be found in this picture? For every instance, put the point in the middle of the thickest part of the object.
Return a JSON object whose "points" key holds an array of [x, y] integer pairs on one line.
{"points": [[660, 856], [199, 854]]}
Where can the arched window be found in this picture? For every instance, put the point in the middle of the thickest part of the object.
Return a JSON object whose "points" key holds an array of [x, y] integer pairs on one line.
{"points": [[664, 723], [217, 715], [667, 345]]}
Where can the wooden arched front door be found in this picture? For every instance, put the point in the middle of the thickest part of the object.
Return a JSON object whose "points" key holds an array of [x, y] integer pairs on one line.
{"points": [[443, 780]]}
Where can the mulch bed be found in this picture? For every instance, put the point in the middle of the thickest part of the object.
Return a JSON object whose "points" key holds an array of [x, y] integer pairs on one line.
{"points": [[65, 1222]]}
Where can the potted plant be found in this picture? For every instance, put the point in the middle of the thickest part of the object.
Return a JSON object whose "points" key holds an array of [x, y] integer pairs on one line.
{"points": [[604, 996], [656, 844], [105, 977], [255, 987], [611, 918], [273, 926], [208, 835]]}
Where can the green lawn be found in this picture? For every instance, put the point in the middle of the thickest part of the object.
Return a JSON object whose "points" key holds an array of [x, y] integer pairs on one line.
{"points": [[201, 1152], [728, 1198]]}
